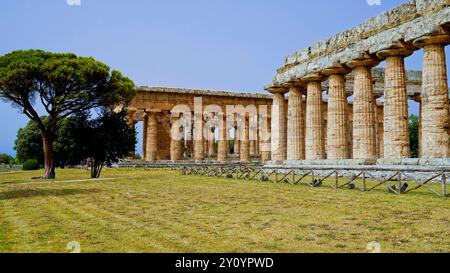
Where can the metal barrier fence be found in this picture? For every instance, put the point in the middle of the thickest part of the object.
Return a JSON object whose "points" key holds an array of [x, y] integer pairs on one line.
{"points": [[395, 180], [10, 168]]}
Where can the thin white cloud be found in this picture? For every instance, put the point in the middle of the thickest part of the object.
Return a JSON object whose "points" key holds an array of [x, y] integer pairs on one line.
{"points": [[73, 2]]}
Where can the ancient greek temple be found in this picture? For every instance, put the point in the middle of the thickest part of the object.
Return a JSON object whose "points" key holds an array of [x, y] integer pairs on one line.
{"points": [[330, 103], [389, 37], [155, 107]]}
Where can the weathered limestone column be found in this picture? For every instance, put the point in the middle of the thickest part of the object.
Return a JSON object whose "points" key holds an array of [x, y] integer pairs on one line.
{"points": [[314, 136], [350, 129], [253, 134], [337, 121], [176, 145], [364, 127], [205, 147], [144, 137], [199, 147], [396, 128], [264, 141], [190, 141], [379, 117], [279, 124], [257, 153], [252, 148], [131, 124], [435, 106], [295, 125], [245, 142], [223, 141], [237, 147], [151, 153], [211, 144]]}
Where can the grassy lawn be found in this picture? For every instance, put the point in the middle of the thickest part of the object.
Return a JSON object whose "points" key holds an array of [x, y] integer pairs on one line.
{"points": [[162, 211]]}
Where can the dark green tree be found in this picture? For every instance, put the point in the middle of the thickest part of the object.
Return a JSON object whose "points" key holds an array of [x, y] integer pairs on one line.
{"points": [[102, 141], [6, 159], [28, 144], [64, 84], [414, 135]]}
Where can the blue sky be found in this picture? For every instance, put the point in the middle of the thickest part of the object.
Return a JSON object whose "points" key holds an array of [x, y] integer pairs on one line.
{"points": [[206, 44]]}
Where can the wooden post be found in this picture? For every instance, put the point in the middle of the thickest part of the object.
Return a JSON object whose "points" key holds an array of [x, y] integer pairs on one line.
{"points": [[444, 185]]}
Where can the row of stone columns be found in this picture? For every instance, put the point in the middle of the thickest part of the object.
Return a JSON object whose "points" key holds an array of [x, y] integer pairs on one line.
{"points": [[200, 147], [309, 144]]}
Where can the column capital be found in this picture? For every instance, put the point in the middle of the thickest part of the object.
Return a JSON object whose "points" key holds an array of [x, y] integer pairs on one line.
{"points": [[364, 60], [287, 85], [338, 69], [397, 49], [296, 82], [432, 39], [313, 77], [274, 89]]}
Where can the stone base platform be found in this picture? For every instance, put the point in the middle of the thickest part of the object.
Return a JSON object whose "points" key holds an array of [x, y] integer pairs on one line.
{"points": [[352, 168], [416, 161], [342, 162], [362, 162]]}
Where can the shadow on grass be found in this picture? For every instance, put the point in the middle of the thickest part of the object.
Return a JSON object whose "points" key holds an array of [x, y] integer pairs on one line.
{"points": [[16, 194]]}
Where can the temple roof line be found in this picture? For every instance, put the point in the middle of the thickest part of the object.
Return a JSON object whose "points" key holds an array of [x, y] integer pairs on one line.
{"points": [[399, 26], [206, 92]]}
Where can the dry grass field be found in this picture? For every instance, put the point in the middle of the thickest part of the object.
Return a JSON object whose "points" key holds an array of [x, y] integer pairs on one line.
{"points": [[162, 211]]}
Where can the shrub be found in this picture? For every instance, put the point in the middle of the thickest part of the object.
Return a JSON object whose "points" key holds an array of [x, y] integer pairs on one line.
{"points": [[5, 159], [30, 164]]}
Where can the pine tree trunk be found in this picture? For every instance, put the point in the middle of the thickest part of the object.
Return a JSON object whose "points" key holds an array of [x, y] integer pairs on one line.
{"points": [[48, 158]]}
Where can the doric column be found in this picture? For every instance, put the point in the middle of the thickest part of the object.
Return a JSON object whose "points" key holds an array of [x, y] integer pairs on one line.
{"points": [[314, 135], [350, 129], [396, 128], [435, 106], [245, 142], [144, 137], [152, 137], [211, 144], [337, 121], [237, 147], [252, 148], [190, 141], [279, 124], [176, 144], [264, 140], [223, 142], [199, 146], [257, 153], [131, 124], [379, 117], [205, 147], [253, 134], [364, 127], [295, 125]]}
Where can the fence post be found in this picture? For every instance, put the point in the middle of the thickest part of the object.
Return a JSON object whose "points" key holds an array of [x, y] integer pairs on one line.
{"points": [[336, 186], [364, 181], [444, 185]]}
